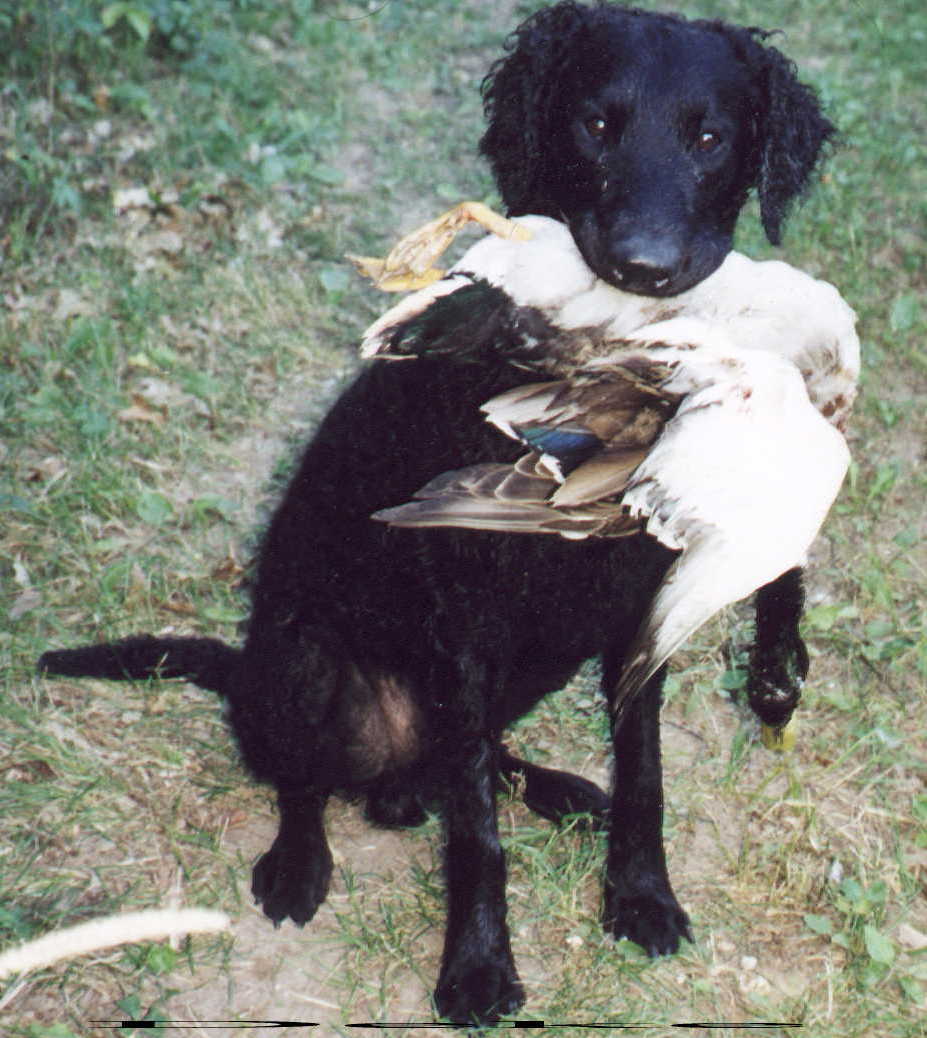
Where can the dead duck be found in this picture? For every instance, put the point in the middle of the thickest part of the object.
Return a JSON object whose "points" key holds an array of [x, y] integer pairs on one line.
{"points": [[531, 268], [713, 420]]}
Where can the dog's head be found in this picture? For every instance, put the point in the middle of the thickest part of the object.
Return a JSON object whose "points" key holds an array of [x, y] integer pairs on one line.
{"points": [[644, 133]]}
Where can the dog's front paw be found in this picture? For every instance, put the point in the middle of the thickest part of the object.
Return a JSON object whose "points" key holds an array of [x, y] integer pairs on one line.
{"points": [[773, 695], [652, 918], [775, 678], [475, 994], [288, 882]]}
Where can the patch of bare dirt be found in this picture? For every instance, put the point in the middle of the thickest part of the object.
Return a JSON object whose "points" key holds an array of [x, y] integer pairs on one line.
{"points": [[297, 974]]}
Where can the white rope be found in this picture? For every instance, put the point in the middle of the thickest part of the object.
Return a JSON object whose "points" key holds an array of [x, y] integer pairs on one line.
{"points": [[108, 932]]}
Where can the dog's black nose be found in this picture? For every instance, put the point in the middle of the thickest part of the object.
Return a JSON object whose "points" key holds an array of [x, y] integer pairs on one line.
{"points": [[646, 264]]}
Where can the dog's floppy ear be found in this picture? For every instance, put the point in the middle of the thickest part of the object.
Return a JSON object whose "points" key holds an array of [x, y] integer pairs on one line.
{"points": [[792, 132], [518, 94]]}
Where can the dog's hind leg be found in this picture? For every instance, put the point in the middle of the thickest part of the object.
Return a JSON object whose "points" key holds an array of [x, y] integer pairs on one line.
{"points": [[396, 803], [639, 900], [292, 878], [555, 795]]}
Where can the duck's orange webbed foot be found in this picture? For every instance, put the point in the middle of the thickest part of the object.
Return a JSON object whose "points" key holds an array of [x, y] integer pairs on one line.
{"points": [[410, 263]]}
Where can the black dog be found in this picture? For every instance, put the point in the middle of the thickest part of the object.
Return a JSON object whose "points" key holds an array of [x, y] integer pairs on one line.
{"points": [[644, 133], [387, 663]]}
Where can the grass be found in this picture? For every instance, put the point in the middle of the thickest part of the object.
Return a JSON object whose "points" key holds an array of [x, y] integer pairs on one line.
{"points": [[161, 359]]}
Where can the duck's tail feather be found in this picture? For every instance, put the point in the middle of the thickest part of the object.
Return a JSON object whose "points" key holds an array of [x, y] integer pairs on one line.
{"points": [[206, 662]]}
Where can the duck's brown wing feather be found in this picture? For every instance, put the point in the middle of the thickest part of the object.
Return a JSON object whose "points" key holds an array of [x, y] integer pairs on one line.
{"points": [[508, 499]]}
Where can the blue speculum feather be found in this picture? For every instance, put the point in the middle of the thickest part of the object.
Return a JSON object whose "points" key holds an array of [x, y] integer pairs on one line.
{"points": [[569, 447]]}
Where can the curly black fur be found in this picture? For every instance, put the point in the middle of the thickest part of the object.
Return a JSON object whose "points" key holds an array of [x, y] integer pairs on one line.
{"points": [[387, 663], [705, 75]]}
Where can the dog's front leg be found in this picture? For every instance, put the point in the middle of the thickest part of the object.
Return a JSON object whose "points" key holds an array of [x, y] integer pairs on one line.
{"points": [[778, 657], [478, 981], [639, 899]]}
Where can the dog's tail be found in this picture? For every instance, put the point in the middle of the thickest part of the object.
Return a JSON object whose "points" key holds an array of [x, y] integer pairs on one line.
{"points": [[206, 662]]}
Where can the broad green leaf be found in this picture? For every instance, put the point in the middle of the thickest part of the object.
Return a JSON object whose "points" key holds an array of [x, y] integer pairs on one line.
{"points": [[879, 947], [152, 507], [334, 279], [904, 313], [819, 924]]}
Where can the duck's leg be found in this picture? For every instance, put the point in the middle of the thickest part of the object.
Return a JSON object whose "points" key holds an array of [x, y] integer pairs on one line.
{"points": [[778, 658], [410, 264]]}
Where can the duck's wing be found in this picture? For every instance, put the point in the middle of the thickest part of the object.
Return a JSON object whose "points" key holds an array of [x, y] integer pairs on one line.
{"points": [[593, 430], [585, 438], [741, 481], [772, 306], [717, 452], [505, 498]]}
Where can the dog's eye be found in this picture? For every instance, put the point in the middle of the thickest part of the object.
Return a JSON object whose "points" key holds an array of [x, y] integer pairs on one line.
{"points": [[595, 126], [707, 141]]}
